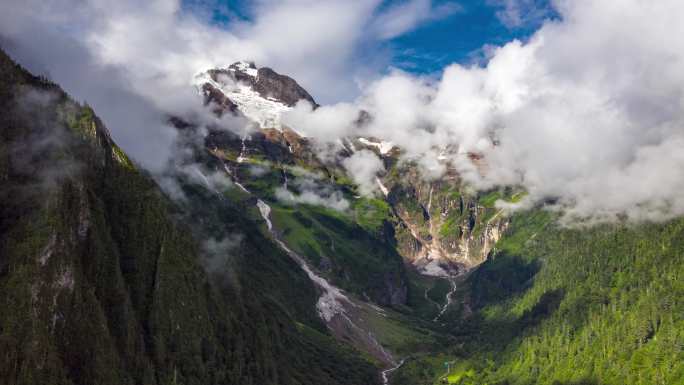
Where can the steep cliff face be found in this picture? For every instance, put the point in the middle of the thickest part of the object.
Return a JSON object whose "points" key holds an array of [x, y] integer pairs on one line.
{"points": [[102, 281], [443, 229]]}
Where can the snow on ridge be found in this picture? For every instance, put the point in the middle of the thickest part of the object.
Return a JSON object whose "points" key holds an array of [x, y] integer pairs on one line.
{"points": [[265, 211], [265, 112], [382, 146], [384, 189], [245, 68]]}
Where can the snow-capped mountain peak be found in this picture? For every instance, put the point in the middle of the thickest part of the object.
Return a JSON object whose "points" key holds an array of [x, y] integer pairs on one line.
{"points": [[260, 94], [245, 67], [262, 111]]}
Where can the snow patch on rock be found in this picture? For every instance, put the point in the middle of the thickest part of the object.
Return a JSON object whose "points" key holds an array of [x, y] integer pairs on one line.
{"points": [[265, 211], [382, 187], [264, 112], [245, 67], [382, 146]]}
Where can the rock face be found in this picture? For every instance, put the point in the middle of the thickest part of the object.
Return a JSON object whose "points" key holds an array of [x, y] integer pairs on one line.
{"points": [[270, 84], [266, 82], [442, 230], [220, 103]]}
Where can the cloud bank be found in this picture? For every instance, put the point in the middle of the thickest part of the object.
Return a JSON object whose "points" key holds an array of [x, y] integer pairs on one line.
{"points": [[589, 112], [134, 62]]}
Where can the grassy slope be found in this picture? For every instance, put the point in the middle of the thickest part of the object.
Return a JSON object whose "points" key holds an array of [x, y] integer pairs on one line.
{"points": [[598, 305], [334, 243], [354, 250], [349, 248]]}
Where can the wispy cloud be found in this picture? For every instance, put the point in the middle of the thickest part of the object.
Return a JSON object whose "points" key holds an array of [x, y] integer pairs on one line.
{"points": [[406, 16], [311, 188], [521, 13]]}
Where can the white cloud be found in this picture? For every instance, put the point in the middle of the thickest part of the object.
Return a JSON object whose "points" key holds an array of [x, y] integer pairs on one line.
{"points": [[324, 123], [593, 112], [405, 16], [518, 13], [589, 111], [334, 201], [312, 189], [218, 253], [134, 62], [313, 41], [363, 167], [216, 181]]}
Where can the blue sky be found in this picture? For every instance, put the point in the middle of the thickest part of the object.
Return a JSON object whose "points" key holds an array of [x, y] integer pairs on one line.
{"points": [[460, 37], [457, 38]]}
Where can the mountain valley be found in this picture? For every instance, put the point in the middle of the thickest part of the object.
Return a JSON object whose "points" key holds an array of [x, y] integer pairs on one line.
{"points": [[257, 257]]}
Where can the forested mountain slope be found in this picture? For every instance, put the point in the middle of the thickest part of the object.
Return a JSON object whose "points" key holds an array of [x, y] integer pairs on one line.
{"points": [[102, 278], [595, 305]]}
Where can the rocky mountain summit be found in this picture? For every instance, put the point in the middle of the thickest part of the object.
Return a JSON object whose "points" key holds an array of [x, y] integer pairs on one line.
{"points": [[260, 94]]}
